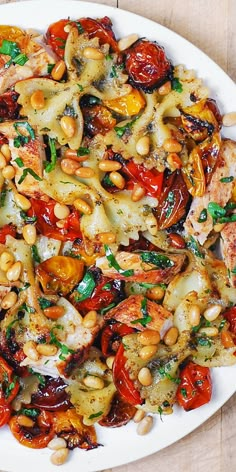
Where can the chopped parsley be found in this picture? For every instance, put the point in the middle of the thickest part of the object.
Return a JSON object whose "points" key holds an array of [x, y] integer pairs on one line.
{"points": [[107, 308], [146, 317], [202, 216], [28, 171], [81, 88], [27, 219], [183, 392], [85, 287], [193, 246], [31, 412], [9, 328], [63, 348], [95, 415], [176, 85], [35, 254], [113, 73], [159, 260], [44, 303], [19, 162], [222, 324], [204, 341], [226, 180], [25, 286], [171, 200], [215, 210], [49, 166], [39, 376], [3, 195], [80, 27], [21, 139], [83, 151], [113, 263], [50, 67], [10, 48], [121, 130]]}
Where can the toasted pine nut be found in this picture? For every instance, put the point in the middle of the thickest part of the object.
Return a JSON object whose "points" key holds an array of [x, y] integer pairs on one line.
{"points": [[117, 179], [172, 145], [171, 336], [72, 154], [168, 411], [58, 70], [67, 28], [22, 201], [69, 166], [210, 331], [155, 293], [3, 161], [174, 161], [6, 261], [59, 457], [61, 223], [61, 211], [85, 172], [176, 241], [30, 350], [229, 119], [139, 415], [109, 166], [90, 319], [109, 361], [138, 193], [127, 41], [145, 425], [147, 352], [54, 312], [25, 421], [107, 238], [227, 340], [149, 337], [46, 349], [14, 272], [8, 172], [211, 313], [218, 227], [37, 100], [145, 377], [165, 88], [194, 315], [82, 206], [29, 234], [143, 146], [93, 53], [93, 382], [152, 225], [5, 150], [57, 443], [9, 300], [68, 126]]}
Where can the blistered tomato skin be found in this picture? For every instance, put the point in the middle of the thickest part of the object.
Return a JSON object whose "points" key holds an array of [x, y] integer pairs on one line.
{"points": [[147, 65]]}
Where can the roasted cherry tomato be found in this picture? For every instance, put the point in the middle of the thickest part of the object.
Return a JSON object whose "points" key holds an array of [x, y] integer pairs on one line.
{"points": [[97, 120], [147, 65], [46, 221], [230, 316], [9, 385], [195, 388], [9, 108], [122, 381], [5, 412], [151, 180], [37, 436], [112, 336], [60, 274], [173, 200], [201, 119], [101, 29], [57, 36], [209, 151], [120, 413], [52, 396], [7, 230]]}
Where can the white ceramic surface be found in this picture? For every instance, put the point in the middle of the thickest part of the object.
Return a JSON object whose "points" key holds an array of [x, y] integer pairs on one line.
{"points": [[123, 445]]}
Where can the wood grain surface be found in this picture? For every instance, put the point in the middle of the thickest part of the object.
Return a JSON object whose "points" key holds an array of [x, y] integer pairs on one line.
{"points": [[210, 25]]}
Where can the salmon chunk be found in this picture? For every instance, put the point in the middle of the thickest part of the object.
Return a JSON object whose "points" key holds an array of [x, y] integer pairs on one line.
{"points": [[228, 248]]}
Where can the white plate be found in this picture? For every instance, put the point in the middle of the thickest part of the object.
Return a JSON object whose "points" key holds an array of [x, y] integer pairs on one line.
{"points": [[122, 445]]}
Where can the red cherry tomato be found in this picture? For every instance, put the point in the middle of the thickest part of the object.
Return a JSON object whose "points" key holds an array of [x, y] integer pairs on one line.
{"points": [[113, 333], [39, 435], [9, 107], [122, 381], [173, 200], [5, 231], [230, 316], [101, 29], [147, 65], [9, 385], [100, 298], [5, 412], [52, 396], [57, 36], [151, 180], [195, 388]]}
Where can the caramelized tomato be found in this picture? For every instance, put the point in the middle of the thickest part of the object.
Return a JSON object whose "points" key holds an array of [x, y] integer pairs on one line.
{"points": [[39, 435], [195, 388]]}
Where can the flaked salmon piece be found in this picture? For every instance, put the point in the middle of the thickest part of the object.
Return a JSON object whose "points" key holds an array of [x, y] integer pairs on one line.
{"points": [[228, 249], [217, 191], [130, 310], [143, 271]]}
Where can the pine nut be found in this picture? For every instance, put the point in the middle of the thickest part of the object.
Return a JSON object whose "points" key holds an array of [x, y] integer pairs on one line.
{"points": [[117, 179], [145, 377], [46, 349], [110, 361], [90, 319], [229, 119], [61, 223], [149, 337], [152, 225], [147, 352], [54, 312], [3, 161], [227, 340], [82, 206], [58, 70], [174, 161], [69, 166], [109, 166], [209, 331], [25, 421], [22, 202], [139, 415], [127, 41], [218, 227], [107, 238], [143, 146], [59, 457], [8, 172], [85, 172], [30, 350], [155, 293], [67, 28], [57, 443], [138, 193], [29, 234], [72, 154], [172, 145], [165, 88], [93, 53], [194, 315], [37, 100], [145, 425], [9, 300], [5, 150], [68, 126], [176, 241], [93, 382], [14, 272], [6, 261], [171, 336], [211, 313], [61, 211]]}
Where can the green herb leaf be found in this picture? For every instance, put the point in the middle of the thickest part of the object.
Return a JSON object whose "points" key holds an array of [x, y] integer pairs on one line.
{"points": [[193, 246], [85, 287], [28, 171], [27, 219], [51, 165], [35, 254], [159, 260], [80, 27], [222, 324], [113, 263], [10, 387], [27, 308], [183, 392], [83, 151], [21, 59], [3, 195], [226, 180], [202, 216], [81, 88], [31, 412], [204, 341], [146, 318], [171, 199], [25, 286], [19, 162], [106, 287], [108, 57], [107, 308], [50, 67], [146, 285], [176, 85], [9, 48], [95, 415], [107, 181], [9, 328], [233, 271], [113, 73], [215, 210], [120, 130], [64, 349], [27, 127], [44, 303], [39, 376]]}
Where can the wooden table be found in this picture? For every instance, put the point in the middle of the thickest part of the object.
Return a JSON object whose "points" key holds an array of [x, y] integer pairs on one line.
{"points": [[210, 25]]}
